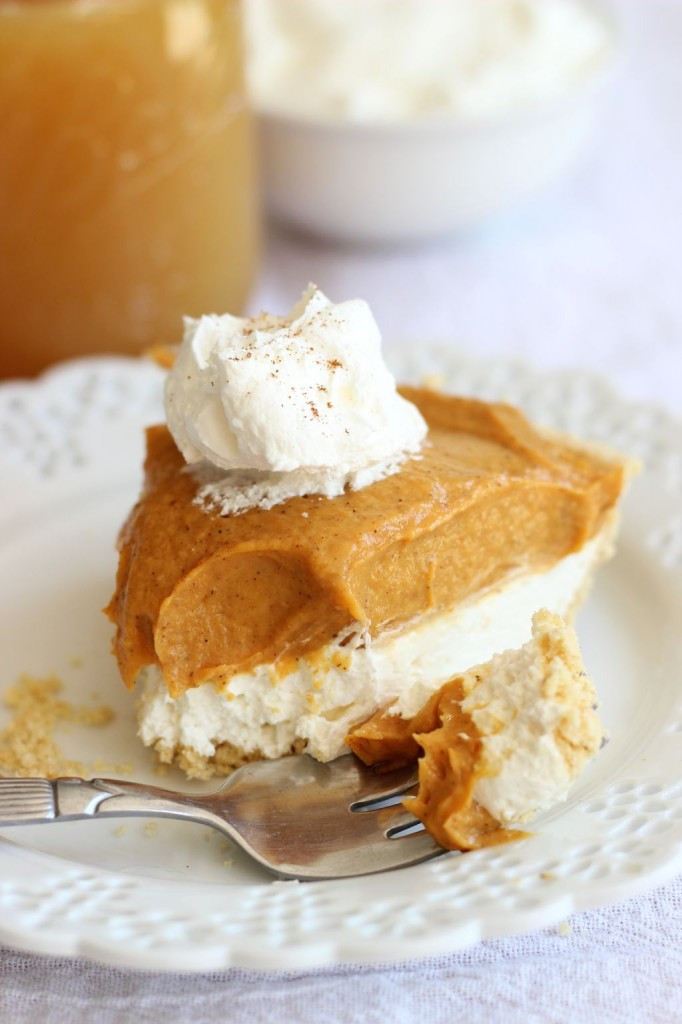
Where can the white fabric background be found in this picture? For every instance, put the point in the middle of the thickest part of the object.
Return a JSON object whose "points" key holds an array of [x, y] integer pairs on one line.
{"points": [[619, 965], [589, 275]]}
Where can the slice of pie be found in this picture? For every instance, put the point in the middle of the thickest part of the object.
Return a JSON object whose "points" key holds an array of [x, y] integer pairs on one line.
{"points": [[281, 629], [496, 744]]}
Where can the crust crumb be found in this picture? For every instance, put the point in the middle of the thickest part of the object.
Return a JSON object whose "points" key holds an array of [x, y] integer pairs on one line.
{"points": [[27, 744], [227, 759], [433, 381]]}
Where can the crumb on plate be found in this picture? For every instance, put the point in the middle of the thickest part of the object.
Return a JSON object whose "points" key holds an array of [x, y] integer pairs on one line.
{"points": [[433, 381], [27, 743]]}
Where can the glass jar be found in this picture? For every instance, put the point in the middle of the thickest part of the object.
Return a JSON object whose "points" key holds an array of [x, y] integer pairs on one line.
{"points": [[128, 192]]}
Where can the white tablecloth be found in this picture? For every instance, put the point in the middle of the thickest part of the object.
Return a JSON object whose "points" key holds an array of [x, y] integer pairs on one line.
{"points": [[617, 966], [588, 275]]}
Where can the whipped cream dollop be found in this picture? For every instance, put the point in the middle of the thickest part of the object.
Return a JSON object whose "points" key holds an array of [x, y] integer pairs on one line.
{"points": [[272, 407], [387, 60]]}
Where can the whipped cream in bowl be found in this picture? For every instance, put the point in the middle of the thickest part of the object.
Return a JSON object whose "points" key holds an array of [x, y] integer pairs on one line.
{"points": [[273, 407], [388, 121], [336, 59]]}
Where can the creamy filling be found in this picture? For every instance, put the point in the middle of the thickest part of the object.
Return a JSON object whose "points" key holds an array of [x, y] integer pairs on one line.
{"points": [[327, 695], [535, 709]]}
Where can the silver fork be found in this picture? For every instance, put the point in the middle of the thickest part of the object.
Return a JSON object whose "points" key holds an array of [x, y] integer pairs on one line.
{"points": [[297, 817]]}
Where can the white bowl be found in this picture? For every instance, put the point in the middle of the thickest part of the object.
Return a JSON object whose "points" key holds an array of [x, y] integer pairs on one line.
{"points": [[408, 181]]}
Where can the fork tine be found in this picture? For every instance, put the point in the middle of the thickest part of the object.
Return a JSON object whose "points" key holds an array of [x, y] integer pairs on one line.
{"points": [[294, 817], [366, 859], [401, 823], [388, 853], [386, 799]]}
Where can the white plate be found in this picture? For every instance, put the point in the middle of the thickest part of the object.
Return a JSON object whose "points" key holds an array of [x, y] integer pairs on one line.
{"points": [[69, 470]]}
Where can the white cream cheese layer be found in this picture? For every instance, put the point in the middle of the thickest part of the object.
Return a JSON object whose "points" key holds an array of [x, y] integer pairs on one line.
{"points": [[535, 709], [323, 698], [273, 407]]}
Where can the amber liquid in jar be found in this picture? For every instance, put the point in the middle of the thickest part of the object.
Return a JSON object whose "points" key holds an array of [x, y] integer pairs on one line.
{"points": [[127, 177]]}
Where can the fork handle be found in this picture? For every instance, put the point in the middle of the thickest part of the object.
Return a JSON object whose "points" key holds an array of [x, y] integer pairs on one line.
{"points": [[39, 801]]}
